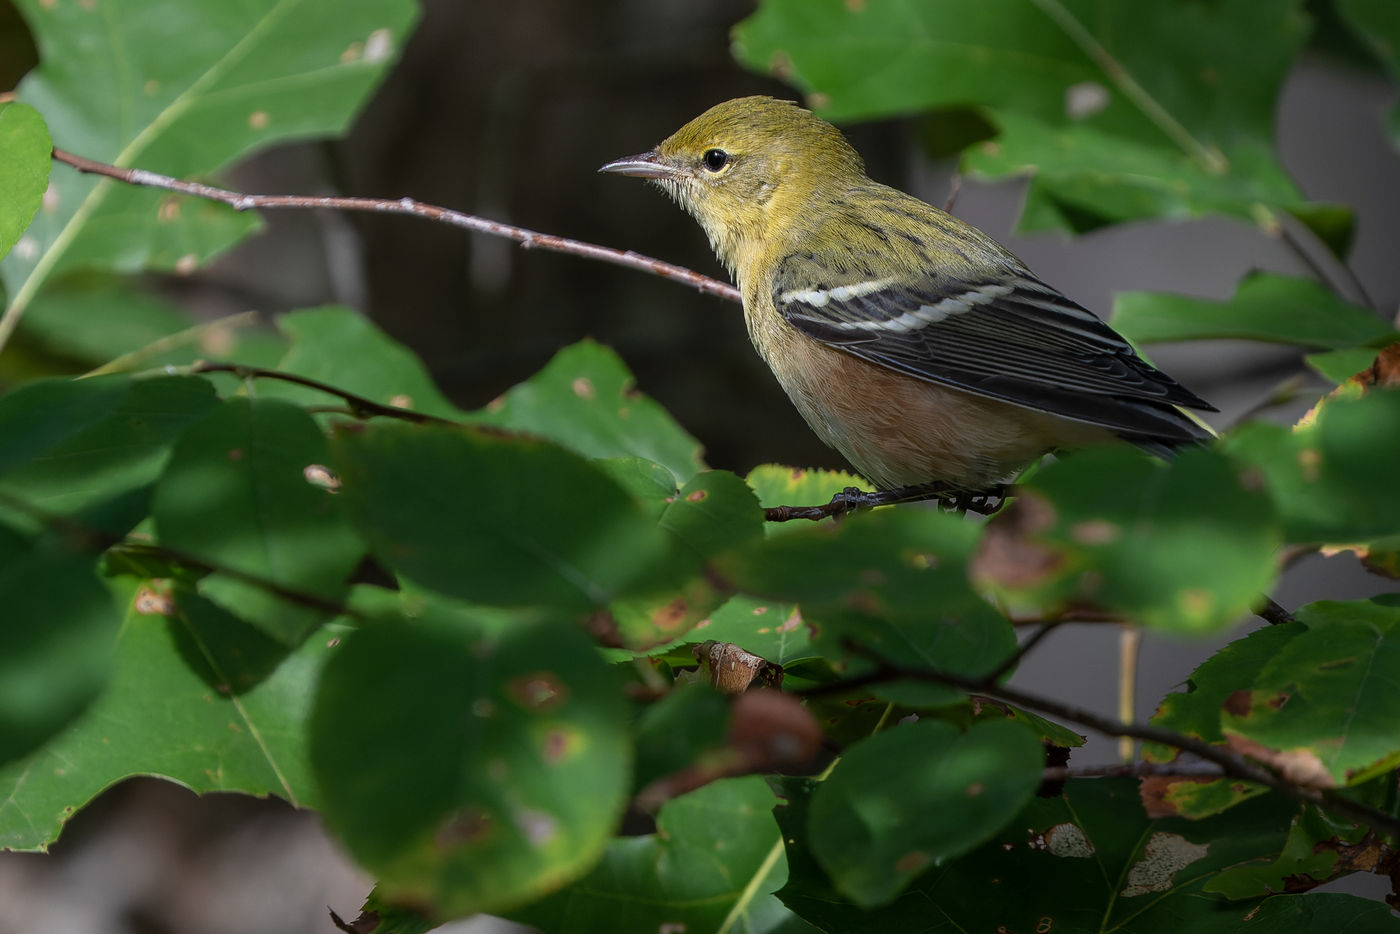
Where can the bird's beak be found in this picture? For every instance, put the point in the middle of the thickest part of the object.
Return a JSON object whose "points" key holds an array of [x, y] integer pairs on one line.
{"points": [[642, 165]]}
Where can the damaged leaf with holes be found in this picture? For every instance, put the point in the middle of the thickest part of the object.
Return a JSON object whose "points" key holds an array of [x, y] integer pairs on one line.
{"points": [[1088, 860]]}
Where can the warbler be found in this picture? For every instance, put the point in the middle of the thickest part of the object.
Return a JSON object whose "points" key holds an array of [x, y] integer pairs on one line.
{"points": [[911, 342]]}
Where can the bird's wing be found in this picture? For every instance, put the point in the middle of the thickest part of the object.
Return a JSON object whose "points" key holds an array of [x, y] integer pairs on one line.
{"points": [[1012, 338]]}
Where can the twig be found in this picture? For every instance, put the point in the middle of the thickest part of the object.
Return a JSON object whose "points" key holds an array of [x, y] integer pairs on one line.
{"points": [[983, 503], [1231, 764], [1060, 773], [1024, 648], [528, 239], [1291, 240], [101, 540], [360, 407]]}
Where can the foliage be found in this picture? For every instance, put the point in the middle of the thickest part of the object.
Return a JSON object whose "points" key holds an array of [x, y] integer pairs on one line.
{"points": [[463, 635]]}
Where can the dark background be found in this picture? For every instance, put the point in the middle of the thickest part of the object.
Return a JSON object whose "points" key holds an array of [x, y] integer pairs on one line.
{"points": [[506, 110]]}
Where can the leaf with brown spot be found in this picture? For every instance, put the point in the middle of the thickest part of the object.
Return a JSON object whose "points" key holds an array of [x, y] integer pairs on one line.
{"points": [[1326, 706]]}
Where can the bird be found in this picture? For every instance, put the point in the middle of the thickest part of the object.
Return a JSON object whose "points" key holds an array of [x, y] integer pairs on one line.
{"points": [[914, 344]]}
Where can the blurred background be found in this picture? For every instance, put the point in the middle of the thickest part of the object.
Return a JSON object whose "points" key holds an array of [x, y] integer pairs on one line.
{"points": [[507, 110]]}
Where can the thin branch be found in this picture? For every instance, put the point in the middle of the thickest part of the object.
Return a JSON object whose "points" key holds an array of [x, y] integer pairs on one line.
{"points": [[1060, 773], [528, 239], [100, 540], [360, 407], [1288, 236], [1231, 763], [1024, 649]]}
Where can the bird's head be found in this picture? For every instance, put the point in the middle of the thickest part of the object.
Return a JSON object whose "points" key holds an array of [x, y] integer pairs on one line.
{"points": [[742, 167]]}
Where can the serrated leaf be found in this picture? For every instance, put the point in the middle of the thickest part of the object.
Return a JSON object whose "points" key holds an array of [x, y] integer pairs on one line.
{"points": [[161, 716], [496, 519], [342, 348], [1115, 126], [1265, 307], [182, 90], [918, 796], [776, 485], [1327, 705], [1183, 546], [55, 640], [487, 766], [674, 877], [24, 169], [237, 495], [892, 581], [585, 400], [771, 629], [1197, 712]]}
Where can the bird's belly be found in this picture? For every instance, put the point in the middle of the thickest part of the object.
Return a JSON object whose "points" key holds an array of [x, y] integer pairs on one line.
{"points": [[900, 431]]}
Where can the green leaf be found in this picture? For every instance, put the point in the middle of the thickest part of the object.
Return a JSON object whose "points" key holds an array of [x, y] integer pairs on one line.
{"points": [[684, 726], [1183, 546], [1266, 307], [1309, 857], [1148, 109], [1089, 860], [1197, 712], [24, 169], [1327, 704], [55, 641], [118, 445], [1376, 24], [713, 512], [715, 856], [1331, 479], [1082, 178], [585, 400], [496, 519], [202, 738], [1334, 225], [38, 418], [1341, 365], [237, 494], [918, 796], [770, 629], [893, 581], [182, 90], [342, 348], [472, 767]]}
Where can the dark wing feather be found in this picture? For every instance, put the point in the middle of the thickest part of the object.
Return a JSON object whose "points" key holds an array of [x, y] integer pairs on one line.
{"points": [[1010, 338]]}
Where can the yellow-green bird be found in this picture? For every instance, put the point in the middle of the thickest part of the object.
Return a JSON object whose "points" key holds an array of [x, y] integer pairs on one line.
{"points": [[911, 342]]}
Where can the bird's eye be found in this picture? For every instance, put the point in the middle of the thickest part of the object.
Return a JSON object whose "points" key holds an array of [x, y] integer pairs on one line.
{"points": [[715, 159]]}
